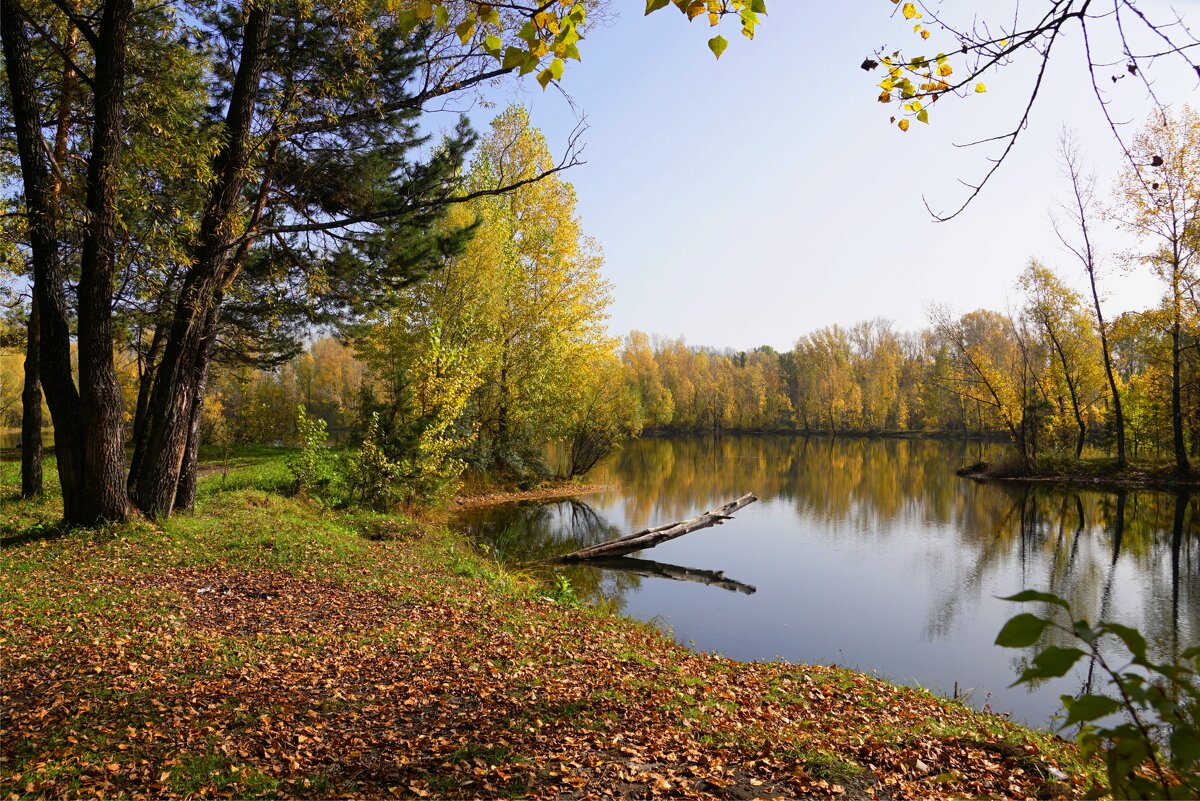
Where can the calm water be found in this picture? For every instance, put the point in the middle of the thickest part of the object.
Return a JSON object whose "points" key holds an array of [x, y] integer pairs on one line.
{"points": [[870, 554]]}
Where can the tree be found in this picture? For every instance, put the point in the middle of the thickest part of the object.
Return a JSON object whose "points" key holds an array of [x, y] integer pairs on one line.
{"points": [[1160, 191], [1080, 210], [988, 366], [306, 82], [656, 402], [1057, 311], [523, 303]]}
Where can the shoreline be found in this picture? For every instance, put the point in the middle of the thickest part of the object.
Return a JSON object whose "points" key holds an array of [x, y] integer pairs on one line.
{"points": [[553, 491], [1094, 476]]}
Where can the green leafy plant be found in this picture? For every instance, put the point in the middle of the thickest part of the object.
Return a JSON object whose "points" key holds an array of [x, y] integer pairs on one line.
{"points": [[563, 592], [311, 463], [1153, 749], [371, 474]]}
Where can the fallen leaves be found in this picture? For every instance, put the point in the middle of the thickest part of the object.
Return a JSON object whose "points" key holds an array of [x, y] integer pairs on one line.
{"points": [[128, 677]]}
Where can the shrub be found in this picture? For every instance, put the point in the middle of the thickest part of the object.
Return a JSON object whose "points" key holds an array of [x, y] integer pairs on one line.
{"points": [[371, 474], [1153, 751], [310, 466]]}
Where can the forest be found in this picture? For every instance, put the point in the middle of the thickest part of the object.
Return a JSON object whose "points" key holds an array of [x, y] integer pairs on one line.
{"points": [[504, 348]]}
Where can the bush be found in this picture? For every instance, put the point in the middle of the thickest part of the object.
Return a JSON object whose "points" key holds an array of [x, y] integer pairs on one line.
{"points": [[1154, 749], [371, 475], [310, 466]]}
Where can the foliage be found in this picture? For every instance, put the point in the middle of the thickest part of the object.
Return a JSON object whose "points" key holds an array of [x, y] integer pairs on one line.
{"points": [[1159, 701], [562, 592], [370, 474], [310, 465], [747, 12], [483, 361], [605, 415], [1128, 42]]}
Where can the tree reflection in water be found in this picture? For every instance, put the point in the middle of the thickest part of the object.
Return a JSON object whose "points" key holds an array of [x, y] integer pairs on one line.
{"points": [[837, 504]]}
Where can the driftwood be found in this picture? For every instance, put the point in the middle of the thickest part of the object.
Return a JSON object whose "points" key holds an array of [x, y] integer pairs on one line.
{"points": [[651, 569], [659, 534]]}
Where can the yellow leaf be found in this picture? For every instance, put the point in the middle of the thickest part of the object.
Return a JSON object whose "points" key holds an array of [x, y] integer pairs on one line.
{"points": [[980, 88], [903, 125], [924, 34], [909, 11], [945, 70]]}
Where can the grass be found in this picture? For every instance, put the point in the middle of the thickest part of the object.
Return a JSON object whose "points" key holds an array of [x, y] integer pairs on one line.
{"points": [[273, 646]]}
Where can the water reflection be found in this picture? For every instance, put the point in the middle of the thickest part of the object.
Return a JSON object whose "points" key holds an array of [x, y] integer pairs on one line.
{"points": [[873, 553], [652, 569]]}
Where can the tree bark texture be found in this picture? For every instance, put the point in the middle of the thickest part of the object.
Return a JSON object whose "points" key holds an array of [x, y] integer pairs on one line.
{"points": [[177, 383], [185, 494], [1177, 437], [54, 357], [31, 409], [105, 493], [31, 396], [659, 534]]}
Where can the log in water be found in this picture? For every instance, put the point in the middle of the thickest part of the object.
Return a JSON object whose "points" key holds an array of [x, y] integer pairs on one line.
{"points": [[650, 537]]}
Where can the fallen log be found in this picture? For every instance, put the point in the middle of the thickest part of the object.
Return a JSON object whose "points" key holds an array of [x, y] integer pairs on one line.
{"points": [[651, 569], [640, 540]]}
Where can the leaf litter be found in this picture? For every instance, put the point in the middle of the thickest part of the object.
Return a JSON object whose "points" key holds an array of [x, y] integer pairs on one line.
{"points": [[382, 673]]}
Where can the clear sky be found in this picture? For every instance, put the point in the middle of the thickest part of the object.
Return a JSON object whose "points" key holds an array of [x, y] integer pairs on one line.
{"points": [[751, 200]]}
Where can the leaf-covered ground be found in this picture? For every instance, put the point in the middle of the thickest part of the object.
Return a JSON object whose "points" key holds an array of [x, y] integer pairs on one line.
{"points": [[268, 647]]}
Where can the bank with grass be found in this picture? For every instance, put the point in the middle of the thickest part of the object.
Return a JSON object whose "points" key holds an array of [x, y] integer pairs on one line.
{"points": [[271, 646], [1092, 473]]}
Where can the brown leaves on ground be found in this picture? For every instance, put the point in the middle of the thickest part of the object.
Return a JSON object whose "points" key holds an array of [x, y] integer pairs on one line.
{"points": [[217, 681]]}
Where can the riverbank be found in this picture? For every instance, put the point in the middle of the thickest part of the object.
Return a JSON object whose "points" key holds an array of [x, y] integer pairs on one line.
{"points": [[1101, 474], [267, 646], [553, 490]]}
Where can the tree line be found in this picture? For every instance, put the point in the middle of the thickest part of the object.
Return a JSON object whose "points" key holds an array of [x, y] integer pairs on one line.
{"points": [[1053, 375], [504, 347]]}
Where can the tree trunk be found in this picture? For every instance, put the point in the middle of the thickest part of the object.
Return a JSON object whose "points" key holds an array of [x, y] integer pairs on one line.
{"points": [[106, 497], [1177, 439], [54, 355], [659, 534], [160, 456], [185, 495], [147, 368], [31, 396], [1062, 356], [1109, 372], [31, 409]]}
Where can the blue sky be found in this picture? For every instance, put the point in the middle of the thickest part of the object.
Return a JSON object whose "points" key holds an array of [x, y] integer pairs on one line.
{"points": [[751, 200]]}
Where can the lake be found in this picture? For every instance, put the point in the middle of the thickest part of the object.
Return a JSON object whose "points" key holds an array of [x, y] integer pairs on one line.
{"points": [[871, 554]]}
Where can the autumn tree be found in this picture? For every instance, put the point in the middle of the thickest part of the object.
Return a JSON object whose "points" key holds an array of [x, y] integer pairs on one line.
{"points": [[1057, 313], [989, 367], [523, 303], [1080, 209], [1160, 192], [294, 150]]}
